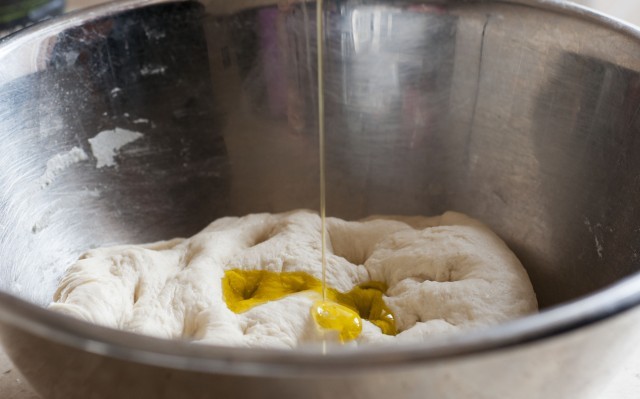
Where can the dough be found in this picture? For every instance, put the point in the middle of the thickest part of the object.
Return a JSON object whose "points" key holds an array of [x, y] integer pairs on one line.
{"points": [[445, 274]]}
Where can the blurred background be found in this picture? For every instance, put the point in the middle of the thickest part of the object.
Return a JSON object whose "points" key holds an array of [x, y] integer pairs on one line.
{"points": [[626, 10], [17, 13]]}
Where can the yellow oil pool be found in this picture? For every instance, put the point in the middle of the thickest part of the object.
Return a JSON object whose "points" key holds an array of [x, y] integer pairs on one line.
{"points": [[340, 312]]}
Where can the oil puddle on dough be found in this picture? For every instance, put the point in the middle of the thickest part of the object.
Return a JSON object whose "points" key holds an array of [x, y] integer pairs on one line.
{"points": [[106, 144]]}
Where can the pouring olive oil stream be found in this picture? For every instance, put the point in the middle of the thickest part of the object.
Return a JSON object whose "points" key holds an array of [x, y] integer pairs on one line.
{"points": [[328, 315], [336, 313], [332, 313]]}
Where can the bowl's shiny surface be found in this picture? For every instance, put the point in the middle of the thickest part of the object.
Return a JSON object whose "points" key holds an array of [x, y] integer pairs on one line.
{"points": [[522, 114]]}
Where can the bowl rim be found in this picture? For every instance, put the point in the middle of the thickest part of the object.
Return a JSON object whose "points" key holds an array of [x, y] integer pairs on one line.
{"points": [[175, 354]]}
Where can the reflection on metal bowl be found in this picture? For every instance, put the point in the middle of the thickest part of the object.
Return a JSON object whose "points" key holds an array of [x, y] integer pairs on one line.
{"points": [[144, 120]]}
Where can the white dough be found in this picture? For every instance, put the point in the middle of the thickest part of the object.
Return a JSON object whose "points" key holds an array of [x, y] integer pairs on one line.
{"points": [[445, 274]]}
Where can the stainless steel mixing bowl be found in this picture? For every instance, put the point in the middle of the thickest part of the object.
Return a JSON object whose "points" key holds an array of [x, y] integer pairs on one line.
{"points": [[144, 120]]}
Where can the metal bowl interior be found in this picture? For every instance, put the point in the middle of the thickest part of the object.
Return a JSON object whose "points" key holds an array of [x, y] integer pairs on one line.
{"points": [[145, 120]]}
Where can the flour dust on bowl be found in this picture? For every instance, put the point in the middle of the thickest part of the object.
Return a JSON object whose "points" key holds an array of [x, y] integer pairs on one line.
{"points": [[145, 120]]}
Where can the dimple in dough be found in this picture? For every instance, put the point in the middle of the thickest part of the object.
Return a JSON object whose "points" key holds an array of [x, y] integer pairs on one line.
{"points": [[445, 274]]}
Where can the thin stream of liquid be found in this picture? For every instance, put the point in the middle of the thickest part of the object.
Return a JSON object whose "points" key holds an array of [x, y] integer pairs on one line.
{"points": [[328, 314], [320, 67]]}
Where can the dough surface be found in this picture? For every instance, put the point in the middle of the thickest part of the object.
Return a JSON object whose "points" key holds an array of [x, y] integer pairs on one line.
{"points": [[445, 274]]}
